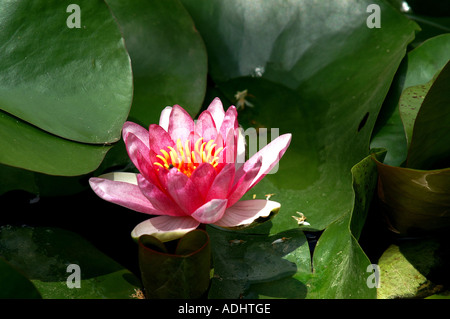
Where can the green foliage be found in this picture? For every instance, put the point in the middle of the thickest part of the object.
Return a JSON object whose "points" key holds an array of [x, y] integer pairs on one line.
{"points": [[42, 255]]}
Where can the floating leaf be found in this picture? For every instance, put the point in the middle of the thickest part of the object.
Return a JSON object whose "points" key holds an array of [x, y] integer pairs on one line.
{"points": [[246, 265], [71, 82], [168, 57], [317, 71], [14, 284], [43, 255], [64, 92], [25, 146], [404, 269]]}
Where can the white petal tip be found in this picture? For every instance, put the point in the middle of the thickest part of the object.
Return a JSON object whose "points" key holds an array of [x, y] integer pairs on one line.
{"points": [[164, 228], [249, 213]]}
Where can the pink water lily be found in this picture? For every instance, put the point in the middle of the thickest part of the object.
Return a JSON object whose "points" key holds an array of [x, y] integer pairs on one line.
{"points": [[191, 173]]}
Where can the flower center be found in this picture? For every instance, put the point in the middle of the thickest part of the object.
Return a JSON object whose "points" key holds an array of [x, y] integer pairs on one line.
{"points": [[186, 159]]}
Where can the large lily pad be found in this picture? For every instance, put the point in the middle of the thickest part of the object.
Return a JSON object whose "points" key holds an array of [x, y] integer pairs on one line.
{"points": [[168, 57], [315, 70], [71, 82], [25, 146], [64, 91], [314, 103], [43, 255]]}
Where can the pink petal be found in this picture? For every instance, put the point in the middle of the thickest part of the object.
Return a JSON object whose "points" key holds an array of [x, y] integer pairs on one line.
{"points": [[165, 228], [230, 122], [217, 112], [180, 124], [158, 198], [205, 126], [243, 180], [270, 156], [164, 118], [203, 177], [183, 191], [162, 176], [229, 152], [113, 188], [210, 212], [159, 139], [245, 212], [135, 129], [221, 186], [139, 155]]}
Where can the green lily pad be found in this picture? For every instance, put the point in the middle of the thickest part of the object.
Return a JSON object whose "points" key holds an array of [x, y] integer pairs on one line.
{"points": [[64, 91], [168, 57], [339, 262], [409, 105], [291, 92], [316, 71], [71, 82], [16, 178], [258, 264], [44, 255], [25, 146], [443, 295], [404, 269], [430, 142], [418, 68], [248, 265], [14, 284]]}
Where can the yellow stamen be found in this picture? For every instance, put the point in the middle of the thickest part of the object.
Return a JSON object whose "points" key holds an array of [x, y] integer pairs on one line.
{"points": [[166, 155], [188, 151], [184, 159], [202, 151], [208, 158], [159, 164], [163, 159], [197, 144]]}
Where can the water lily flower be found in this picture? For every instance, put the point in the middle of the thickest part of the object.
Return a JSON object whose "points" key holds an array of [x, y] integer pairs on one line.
{"points": [[191, 173]]}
